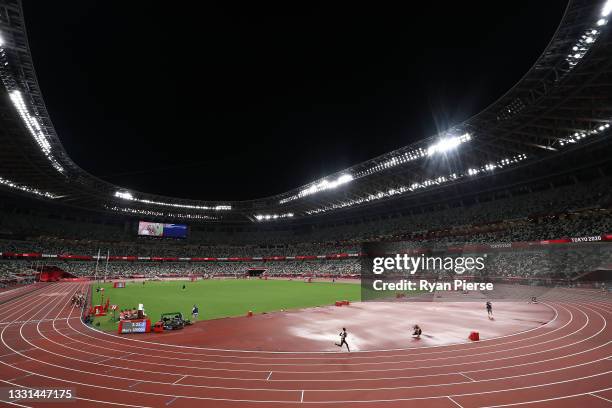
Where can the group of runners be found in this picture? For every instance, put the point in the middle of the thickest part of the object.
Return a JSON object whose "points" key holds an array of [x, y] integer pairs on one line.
{"points": [[417, 331], [78, 299]]}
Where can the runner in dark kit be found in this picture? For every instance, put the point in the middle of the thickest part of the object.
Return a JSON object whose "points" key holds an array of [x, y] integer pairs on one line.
{"points": [[489, 309], [417, 332], [343, 335]]}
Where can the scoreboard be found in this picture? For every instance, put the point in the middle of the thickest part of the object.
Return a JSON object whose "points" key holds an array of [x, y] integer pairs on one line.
{"points": [[134, 326]]}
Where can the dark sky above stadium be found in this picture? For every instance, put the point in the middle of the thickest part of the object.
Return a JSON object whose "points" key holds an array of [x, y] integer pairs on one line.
{"points": [[217, 100]]}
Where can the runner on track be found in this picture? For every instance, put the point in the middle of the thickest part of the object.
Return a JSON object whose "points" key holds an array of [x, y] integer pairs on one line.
{"points": [[343, 335], [417, 332]]}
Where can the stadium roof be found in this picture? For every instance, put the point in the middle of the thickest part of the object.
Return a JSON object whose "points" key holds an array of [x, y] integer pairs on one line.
{"points": [[562, 103]]}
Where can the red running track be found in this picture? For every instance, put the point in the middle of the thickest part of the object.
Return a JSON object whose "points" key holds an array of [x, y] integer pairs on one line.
{"points": [[564, 363]]}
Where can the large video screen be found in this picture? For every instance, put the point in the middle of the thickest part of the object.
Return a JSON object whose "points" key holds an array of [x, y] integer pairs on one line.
{"points": [[157, 229]]}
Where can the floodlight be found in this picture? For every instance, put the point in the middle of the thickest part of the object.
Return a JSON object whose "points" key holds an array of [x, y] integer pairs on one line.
{"points": [[345, 178], [606, 9], [126, 195], [443, 146]]}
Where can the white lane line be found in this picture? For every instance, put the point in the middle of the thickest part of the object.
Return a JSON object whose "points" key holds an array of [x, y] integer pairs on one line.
{"points": [[180, 379], [471, 355], [135, 384], [171, 401], [378, 370], [18, 351], [13, 306], [546, 400], [38, 375], [84, 399], [323, 354], [71, 342], [103, 360], [600, 397], [269, 375], [470, 350], [468, 377], [400, 399], [590, 362], [348, 401], [454, 402], [532, 345], [13, 403], [360, 389], [33, 321], [20, 377]]}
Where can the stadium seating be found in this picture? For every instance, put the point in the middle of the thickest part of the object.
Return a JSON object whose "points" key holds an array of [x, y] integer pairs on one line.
{"points": [[579, 210]]}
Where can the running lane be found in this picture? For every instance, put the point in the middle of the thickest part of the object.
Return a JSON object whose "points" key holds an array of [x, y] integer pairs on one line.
{"points": [[564, 363]]}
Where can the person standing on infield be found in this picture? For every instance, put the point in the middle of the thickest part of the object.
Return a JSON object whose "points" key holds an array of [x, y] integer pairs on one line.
{"points": [[343, 335], [194, 313]]}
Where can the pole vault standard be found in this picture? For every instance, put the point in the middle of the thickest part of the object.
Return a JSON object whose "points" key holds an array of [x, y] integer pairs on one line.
{"points": [[106, 266], [96, 270]]}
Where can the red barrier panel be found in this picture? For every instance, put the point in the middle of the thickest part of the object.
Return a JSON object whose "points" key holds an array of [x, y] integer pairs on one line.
{"points": [[75, 257]]}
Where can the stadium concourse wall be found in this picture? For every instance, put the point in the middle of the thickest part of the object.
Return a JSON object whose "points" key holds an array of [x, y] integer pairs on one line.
{"points": [[450, 249], [53, 274]]}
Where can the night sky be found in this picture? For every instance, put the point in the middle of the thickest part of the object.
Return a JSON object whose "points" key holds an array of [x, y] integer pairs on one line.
{"points": [[226, 101]]}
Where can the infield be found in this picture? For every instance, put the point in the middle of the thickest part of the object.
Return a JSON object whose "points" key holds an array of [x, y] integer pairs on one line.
{"points": [[221, 298]]}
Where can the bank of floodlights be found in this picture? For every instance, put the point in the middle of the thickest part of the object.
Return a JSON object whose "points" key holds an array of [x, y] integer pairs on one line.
{"points": [[316, 187], [153, 213], [271, 217], [579, 136], [423, 184], [586, 40], [447, 144], [126, 195], [26, 189]]}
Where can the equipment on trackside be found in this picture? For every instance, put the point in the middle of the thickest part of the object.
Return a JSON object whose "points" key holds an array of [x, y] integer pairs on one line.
{"points": [[173, 321], [158, 327]]}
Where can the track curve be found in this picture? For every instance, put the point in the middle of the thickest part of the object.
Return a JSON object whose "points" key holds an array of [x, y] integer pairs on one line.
{"points": [[564, 363]]}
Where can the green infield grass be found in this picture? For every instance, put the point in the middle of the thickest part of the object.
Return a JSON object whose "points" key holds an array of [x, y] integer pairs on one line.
{"points": [[220, 298]]}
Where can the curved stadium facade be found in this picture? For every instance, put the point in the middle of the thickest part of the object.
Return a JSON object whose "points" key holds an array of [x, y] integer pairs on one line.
{"points": [[549, 133], [525, 184]]}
